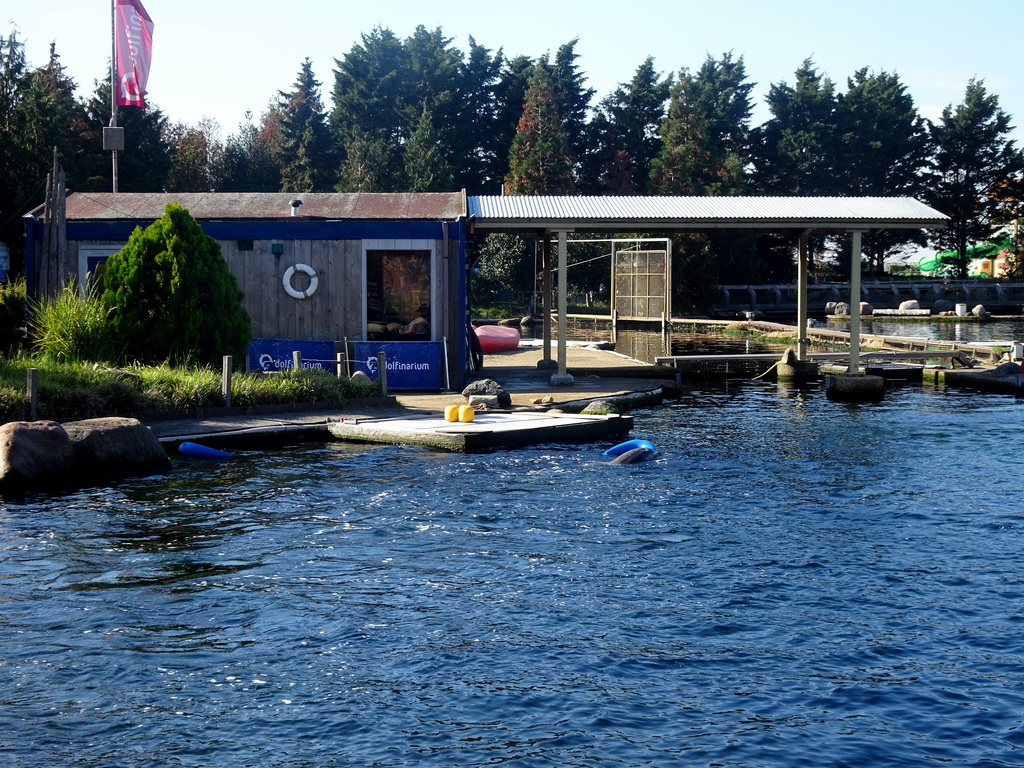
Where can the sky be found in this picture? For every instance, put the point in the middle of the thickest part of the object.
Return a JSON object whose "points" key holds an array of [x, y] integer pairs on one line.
{"points": [[222, 58]]}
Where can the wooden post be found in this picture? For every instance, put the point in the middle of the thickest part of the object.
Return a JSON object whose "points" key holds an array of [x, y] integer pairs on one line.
{"points": [[225, 380], [297, 360], [339, 364], [382, 373], [32, 390]]}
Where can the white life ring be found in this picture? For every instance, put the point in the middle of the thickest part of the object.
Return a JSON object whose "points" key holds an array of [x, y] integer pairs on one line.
{"points": [[287, 280]]}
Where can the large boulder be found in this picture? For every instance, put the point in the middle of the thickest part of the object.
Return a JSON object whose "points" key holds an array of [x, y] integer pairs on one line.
{"points": [[979, 311], [909, 304], [942, 305], [841, 309], [115, 446], [34, 453], [489, 387], [600, 408]]}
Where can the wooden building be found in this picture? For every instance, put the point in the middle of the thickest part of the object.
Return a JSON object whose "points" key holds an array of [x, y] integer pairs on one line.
{"points": [[379, 271]]}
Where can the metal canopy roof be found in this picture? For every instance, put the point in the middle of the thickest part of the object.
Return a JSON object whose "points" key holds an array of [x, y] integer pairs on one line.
{"points": [[666, 213]]}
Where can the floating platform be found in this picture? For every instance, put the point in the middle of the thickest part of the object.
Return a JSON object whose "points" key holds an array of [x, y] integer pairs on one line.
{"points": [[488, 431]]}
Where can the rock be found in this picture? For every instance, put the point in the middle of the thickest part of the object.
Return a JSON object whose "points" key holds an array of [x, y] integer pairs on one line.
{"points": [[526, 322], [841, 309], [600, 407], [979, 311], [542, 400], [942, 305], [115, 446], [866, 308], [509, 322], [33, 453], [830, 308], [489, 387], [909, 304], [487, 401]]}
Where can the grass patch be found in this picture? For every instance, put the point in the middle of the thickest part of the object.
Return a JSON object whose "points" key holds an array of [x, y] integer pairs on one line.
{"points": [[80, 390]]}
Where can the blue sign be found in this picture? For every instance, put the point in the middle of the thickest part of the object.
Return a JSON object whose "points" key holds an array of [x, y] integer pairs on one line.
{"points": [[410, 364], [276, 354]]}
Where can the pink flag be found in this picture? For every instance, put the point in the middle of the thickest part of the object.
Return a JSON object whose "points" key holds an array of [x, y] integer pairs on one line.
{"points": [[133, 43]]}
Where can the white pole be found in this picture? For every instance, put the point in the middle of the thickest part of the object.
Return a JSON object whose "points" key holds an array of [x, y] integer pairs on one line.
{"points": [[855, 302], [801, 297], [113, 90], [562, 378]]}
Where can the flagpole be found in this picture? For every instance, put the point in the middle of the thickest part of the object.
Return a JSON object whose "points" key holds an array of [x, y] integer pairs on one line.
{"points": [[113, 88]]}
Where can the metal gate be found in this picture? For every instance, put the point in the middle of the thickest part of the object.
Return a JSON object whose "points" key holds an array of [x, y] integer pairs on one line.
{"points": [[641, 280]]}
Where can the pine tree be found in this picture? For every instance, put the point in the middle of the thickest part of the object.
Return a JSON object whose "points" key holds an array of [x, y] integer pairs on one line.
{"points": [[368, 117], [426, 167], [540, 161], [705, 137], [509, 98], [148, 156], [884, 146], [305, 142], [626, 131], [973, 157], [796, 149]]}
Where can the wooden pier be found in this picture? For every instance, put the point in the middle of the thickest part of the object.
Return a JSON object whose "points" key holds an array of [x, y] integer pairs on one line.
{"points": [[487, 432], [877, 362]]}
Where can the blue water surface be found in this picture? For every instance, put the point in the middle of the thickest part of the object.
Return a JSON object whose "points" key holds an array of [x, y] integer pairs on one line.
{"points": [[792, 582]]}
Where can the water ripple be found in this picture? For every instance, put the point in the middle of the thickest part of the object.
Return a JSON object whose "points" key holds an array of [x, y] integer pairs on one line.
{"points": [[793, 582]]}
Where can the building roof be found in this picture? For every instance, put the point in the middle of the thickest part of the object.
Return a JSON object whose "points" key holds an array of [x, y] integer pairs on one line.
{"points": [[665, 213], [149, 206]]}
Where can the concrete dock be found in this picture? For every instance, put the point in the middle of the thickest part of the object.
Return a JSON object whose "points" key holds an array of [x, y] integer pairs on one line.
{"points": [[599, 374]]}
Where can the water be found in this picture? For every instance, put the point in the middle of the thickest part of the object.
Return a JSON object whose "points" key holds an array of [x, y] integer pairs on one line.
{"points": [[793, 582]]}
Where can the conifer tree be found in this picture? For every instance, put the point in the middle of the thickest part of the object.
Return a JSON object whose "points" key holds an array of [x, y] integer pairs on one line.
{"points": [[884, 149], [426, 167], [540, 160], [705, 137], [626, 131], [368, 117], [148, 156], [171, 297], [973, 158], [305, 142], [796, 149]]}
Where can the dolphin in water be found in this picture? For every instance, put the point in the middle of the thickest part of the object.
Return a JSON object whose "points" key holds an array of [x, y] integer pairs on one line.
{"points": [[635, 456]]}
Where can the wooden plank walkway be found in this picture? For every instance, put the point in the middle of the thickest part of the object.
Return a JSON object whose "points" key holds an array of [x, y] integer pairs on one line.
{"points": [[487, 432]]}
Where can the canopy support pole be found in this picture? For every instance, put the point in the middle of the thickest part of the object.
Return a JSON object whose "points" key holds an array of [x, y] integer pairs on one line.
{"points": [[801, 295], [855, 257]]}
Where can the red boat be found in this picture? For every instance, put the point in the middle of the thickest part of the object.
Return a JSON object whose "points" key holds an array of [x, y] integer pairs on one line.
{"points": [[496, 338]]}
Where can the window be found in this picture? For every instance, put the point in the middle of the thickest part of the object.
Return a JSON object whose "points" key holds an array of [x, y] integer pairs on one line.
{"points": [[398, 295]]}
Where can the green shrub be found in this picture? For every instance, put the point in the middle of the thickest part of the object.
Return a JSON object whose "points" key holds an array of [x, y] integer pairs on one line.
{"points": [[171, 296]]}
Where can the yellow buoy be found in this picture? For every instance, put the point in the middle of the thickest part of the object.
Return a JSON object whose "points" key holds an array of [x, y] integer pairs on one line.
{"points": [[451, 413], [466, 413]]}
